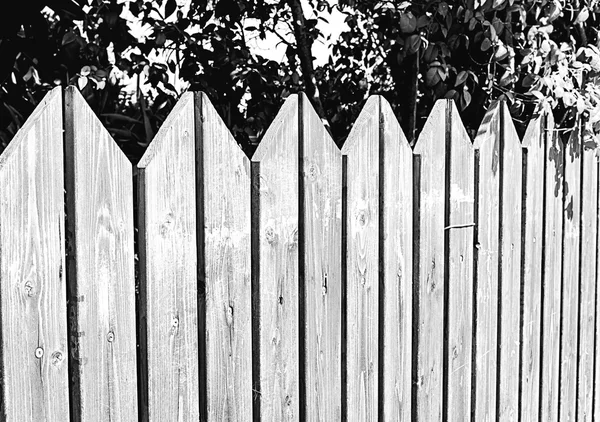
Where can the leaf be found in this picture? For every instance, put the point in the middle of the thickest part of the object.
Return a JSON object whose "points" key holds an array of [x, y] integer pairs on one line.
{"points": [[443, 8], [170, 8], [432, 76], [413, 43], [82, 81], [465, 100], [461, 78], [486, 44], [408, 22]]}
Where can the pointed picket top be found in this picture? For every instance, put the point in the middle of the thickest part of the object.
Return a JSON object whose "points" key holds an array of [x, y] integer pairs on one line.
{"points": [[489, 127], [430, 133], [533, 138], [51, 100], [159, 143], [288, 115], [369, 112], [34, 347]]}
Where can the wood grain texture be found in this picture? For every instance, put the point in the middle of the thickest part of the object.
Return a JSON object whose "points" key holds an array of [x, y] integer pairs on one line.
{"points": [[361, 160], [533, 174], [33, 348], [509, 291], [429, 266], [225, 179], [459, 227], [322, 196], [587, 317], [168, 270], [487, 245], [397, 238], [570, 280], [275, 201], [551, 275], [101, 284]]}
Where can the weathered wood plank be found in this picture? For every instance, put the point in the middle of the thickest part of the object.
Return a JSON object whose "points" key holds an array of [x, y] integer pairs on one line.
{"points": [[570, 279], [33, 348], [397, 268], [596, 398], [275, 277], [225, 180], [429, 266], [100, 282], [587, 318], [509, 291], [322, 220], [361, 181], [168, 270], [487, 145], [551, 275], [458, 230], [533, 174]]}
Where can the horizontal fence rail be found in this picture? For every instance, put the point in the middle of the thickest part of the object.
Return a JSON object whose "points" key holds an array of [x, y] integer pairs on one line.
{"points": [[453, 281]]}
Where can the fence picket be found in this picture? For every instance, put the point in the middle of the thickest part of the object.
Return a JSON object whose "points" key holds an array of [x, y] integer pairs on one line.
{"points": [[322, 221], [570, 278], [533, 193], [509, 289], [551, 271], [587, 318], [33, 348], [100, 280], [225, 259], [487, 145], [361, 157], [429, 172], [168, 270], [275, 268], [459, 228], [397, 238]]}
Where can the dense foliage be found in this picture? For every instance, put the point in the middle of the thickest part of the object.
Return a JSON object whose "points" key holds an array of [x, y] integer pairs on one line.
{"points": [[413, 53]]}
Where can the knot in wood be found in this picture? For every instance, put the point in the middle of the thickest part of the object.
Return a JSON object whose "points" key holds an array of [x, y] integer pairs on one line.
{"points": [[110, 337], [270, 235], [57, 358], [362, 217], [230, 315], [312, 171], [167, 225], [39, 352], [28, 287]]}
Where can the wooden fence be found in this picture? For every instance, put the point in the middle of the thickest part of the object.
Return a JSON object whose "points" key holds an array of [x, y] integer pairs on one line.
{"points": [[456, 281]]}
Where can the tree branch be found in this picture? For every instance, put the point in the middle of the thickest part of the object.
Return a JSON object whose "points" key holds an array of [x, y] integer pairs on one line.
{"points": [[304, 43]]}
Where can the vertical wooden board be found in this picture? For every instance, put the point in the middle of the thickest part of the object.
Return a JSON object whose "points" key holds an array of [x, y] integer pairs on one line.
{"points": [[101, 284], [33, 348], [459, 287], [397, 240], [587, 318], [322, 181], [551, 271], [487, 145], [428, 264], [168, 282], [570, 280], [533, 174], [596, 393], [509, 291], [226, 251], [275, 201], [361, 160]]}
